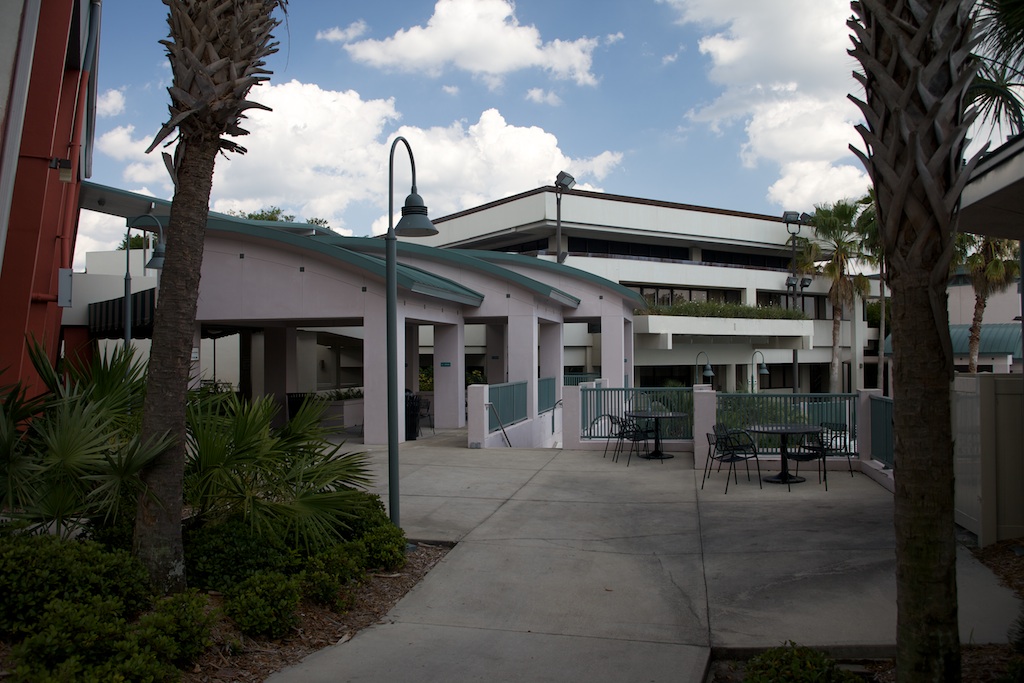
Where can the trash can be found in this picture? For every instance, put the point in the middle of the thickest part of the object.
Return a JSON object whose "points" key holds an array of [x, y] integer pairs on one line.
{"points": [[412, 416]]}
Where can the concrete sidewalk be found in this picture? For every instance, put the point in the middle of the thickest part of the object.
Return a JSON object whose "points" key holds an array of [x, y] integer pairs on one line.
{"points": [[570, 567]]}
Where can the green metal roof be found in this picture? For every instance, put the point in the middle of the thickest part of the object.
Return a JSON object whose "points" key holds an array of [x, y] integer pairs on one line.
{"points": [[997, 339], [464, 258]]}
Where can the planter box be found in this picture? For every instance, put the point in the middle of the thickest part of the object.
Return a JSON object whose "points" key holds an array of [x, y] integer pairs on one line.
{"points": [[342, 414]]}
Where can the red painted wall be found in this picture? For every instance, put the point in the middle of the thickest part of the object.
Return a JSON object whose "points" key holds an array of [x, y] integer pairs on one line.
{"points": [[44, 210]]}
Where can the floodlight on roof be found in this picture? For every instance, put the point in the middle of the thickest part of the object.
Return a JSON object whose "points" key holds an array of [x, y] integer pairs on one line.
{"points": [[564, 181]]}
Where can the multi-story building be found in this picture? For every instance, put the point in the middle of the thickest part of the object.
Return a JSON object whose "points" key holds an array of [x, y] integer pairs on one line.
{"points": [[670, 252]]}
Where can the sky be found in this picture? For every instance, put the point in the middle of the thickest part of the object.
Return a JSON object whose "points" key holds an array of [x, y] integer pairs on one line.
{"points": [[731, 104]]}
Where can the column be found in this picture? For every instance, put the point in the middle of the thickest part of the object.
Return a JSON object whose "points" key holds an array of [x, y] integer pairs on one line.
{"points": [[552, 354], [613, 350], [279, 345], [375, 372], [496, 354], [522, 356], [449, 376]]}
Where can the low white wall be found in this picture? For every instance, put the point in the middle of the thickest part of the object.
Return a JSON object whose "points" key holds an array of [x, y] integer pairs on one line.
{"points": [[541, 431]]}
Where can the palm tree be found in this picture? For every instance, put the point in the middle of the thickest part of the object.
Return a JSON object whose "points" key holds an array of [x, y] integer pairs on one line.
{"points": [[867, 226], [216, 49], [917, 67], [836, 235], [992, 267]]}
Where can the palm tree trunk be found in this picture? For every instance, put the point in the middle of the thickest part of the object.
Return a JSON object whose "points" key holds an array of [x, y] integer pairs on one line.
{"points": [[834, 382], [916, 56], [927, 630], [980, 302], [158, 542]]}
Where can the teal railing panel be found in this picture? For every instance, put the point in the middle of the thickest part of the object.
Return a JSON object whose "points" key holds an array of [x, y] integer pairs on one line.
{"points": [[545, 394], [509, 401], [882, 441], [573, 379], [839, 411], [599, 402]]}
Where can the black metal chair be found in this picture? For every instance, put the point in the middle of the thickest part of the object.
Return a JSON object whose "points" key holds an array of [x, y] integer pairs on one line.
{"points": [[636, 434], [813, 447], [611, 426], [730, 446], [425, 414], [838, 436]]}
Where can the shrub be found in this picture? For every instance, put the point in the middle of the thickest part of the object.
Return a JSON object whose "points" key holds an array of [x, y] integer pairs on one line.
{"points": [[372, 514], [264, 604], [86, 641], [35, 570], [385, 547], [218, 556], [327, 574], [178, 628], [794, 663]]}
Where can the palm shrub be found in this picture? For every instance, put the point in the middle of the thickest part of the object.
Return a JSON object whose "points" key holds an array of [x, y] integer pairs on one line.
{"points": [[73, 454], [289, 483]]}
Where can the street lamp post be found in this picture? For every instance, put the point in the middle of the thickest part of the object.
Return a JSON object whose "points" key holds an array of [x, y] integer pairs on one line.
{"points": [[414, 223], [762, 370], [708, 373], [155, 263], [793, 221], [564, 181]]}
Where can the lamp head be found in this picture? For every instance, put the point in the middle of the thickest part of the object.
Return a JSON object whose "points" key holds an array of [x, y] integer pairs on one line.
{"points": [[790, 216], [763, 370], [805, 282], [157, 261], [564, 181], [414, 222], [791, 282], [708, 372]]}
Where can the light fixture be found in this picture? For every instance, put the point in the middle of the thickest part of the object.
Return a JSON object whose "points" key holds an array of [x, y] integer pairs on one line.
{"points": [[155, 263], [563, 181], [762, 370], [708, 373], [63, 167], [790, 281], [414, 223], [805, 282]]}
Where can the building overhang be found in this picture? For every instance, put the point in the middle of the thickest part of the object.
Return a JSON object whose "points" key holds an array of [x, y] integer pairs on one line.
{"points": [[662, 332], [991, 202]]}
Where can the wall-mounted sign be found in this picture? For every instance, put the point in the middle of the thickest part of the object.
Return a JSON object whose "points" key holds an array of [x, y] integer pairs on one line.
{"points": [[445, 364]]}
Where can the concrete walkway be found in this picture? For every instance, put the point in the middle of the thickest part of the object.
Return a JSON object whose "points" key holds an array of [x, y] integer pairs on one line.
{"points": [[570, 567]]}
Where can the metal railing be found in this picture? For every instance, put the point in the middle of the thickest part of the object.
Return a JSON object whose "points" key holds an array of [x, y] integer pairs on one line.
{"points": [[598, 402], [838, 412], [545, 394], [882, 442], [509, 402], [573, 379]]}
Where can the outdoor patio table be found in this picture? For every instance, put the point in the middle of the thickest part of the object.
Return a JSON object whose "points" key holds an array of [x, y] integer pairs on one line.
{"points": [[657, 416], [784, 430]]}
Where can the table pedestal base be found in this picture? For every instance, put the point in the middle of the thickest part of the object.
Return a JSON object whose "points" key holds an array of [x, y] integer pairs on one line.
{"points": [[784, 478]]}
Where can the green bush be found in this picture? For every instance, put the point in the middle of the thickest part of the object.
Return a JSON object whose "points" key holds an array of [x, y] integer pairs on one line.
{"points": [[86, 640], [219, 556], [328, 574], [35, 570], [794, 663], [179, 628], [385, 547], [264, 604]]}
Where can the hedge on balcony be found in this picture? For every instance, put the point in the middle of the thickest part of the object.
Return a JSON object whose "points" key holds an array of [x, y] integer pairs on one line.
{"points": [[716, 309]]}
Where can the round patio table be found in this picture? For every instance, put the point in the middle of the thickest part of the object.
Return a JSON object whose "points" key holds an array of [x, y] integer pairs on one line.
{"points": [[657, 416], [784, 430]]}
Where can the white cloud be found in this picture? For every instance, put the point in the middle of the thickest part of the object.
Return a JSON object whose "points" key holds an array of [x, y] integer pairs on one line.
{"points": [[110, 103], [325, 153], [613, 38], [343, 35], [450, 89], [669, 59], [540, 96], [482, 37], [784, 76]]}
